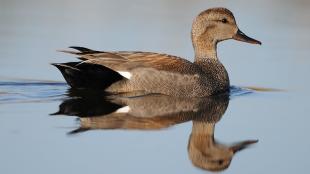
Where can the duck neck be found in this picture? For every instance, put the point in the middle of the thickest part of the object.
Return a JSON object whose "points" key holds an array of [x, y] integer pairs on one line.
{"points": [[205, 50]]}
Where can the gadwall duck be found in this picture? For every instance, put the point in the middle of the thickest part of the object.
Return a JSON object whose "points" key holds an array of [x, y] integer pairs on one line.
{"points": [[128, 71]]}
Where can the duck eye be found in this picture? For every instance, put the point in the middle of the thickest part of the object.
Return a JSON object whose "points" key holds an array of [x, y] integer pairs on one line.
{"points": [[224, 20]]}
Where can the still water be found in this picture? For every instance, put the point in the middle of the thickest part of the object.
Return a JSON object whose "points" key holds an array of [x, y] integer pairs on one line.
{"points": [[261, 127]]}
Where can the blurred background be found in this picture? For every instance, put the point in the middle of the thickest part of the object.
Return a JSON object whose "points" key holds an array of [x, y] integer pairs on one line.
{"points": [[32, 30]]}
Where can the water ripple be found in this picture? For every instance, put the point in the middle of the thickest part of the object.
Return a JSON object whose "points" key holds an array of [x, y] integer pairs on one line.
{"points": [[25, 91], [31, 91]]}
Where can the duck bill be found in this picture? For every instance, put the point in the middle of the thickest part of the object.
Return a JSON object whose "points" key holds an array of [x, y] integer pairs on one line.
{"points": [[242, 145], [240, 36]]}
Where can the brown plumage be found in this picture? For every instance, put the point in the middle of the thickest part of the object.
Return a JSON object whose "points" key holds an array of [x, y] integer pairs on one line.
{"points": [[129, 71]]}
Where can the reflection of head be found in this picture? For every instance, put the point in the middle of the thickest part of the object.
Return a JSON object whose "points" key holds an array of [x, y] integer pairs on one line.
{"points": [[205, 153], [203, 150]]}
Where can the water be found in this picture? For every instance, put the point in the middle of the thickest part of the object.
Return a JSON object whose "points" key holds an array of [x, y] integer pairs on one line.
{"points": [[34, 141]]}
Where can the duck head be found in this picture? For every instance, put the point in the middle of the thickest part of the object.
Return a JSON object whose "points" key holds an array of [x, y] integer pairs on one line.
{"points": [[212, 26]]}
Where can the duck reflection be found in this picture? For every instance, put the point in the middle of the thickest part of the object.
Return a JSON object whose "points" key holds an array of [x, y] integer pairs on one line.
{"points": [[153, 112], [205, 152]]}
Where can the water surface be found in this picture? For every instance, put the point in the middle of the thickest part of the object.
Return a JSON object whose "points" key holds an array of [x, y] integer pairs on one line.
{"points": [[33, 141]]}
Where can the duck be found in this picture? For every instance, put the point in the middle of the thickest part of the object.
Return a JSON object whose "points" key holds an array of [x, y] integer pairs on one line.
{"points": [[157, 73]]}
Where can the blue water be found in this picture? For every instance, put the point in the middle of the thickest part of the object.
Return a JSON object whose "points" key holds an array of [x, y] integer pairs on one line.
{"points": [[269, 100]]}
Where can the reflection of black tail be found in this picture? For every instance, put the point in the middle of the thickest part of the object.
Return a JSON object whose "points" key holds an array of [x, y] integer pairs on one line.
{"points": [[86, 104], [83, 75], [78, 130]]}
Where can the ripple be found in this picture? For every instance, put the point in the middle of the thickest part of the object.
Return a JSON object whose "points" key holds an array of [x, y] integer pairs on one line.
{"points": [[31, 91], [25, 91], [238, 91]]}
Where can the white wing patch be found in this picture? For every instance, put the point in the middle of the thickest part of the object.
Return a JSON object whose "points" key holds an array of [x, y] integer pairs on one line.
{"points": [[124, 109], [125, 74]]}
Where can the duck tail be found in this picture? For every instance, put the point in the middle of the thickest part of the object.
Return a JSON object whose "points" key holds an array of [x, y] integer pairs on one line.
{"points": [[87, 76], [84, 50], [79, 50]]}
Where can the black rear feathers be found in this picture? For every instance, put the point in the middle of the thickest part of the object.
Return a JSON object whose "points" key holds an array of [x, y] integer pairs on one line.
{"points": [[87, 76], [84, 50]]}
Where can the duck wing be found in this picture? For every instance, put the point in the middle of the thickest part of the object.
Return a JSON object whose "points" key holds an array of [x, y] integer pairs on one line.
{"points": [[127, 61], [147, 71]]}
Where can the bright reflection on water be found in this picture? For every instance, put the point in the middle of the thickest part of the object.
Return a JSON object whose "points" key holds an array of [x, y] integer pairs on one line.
{"points": [[182, 136]]}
